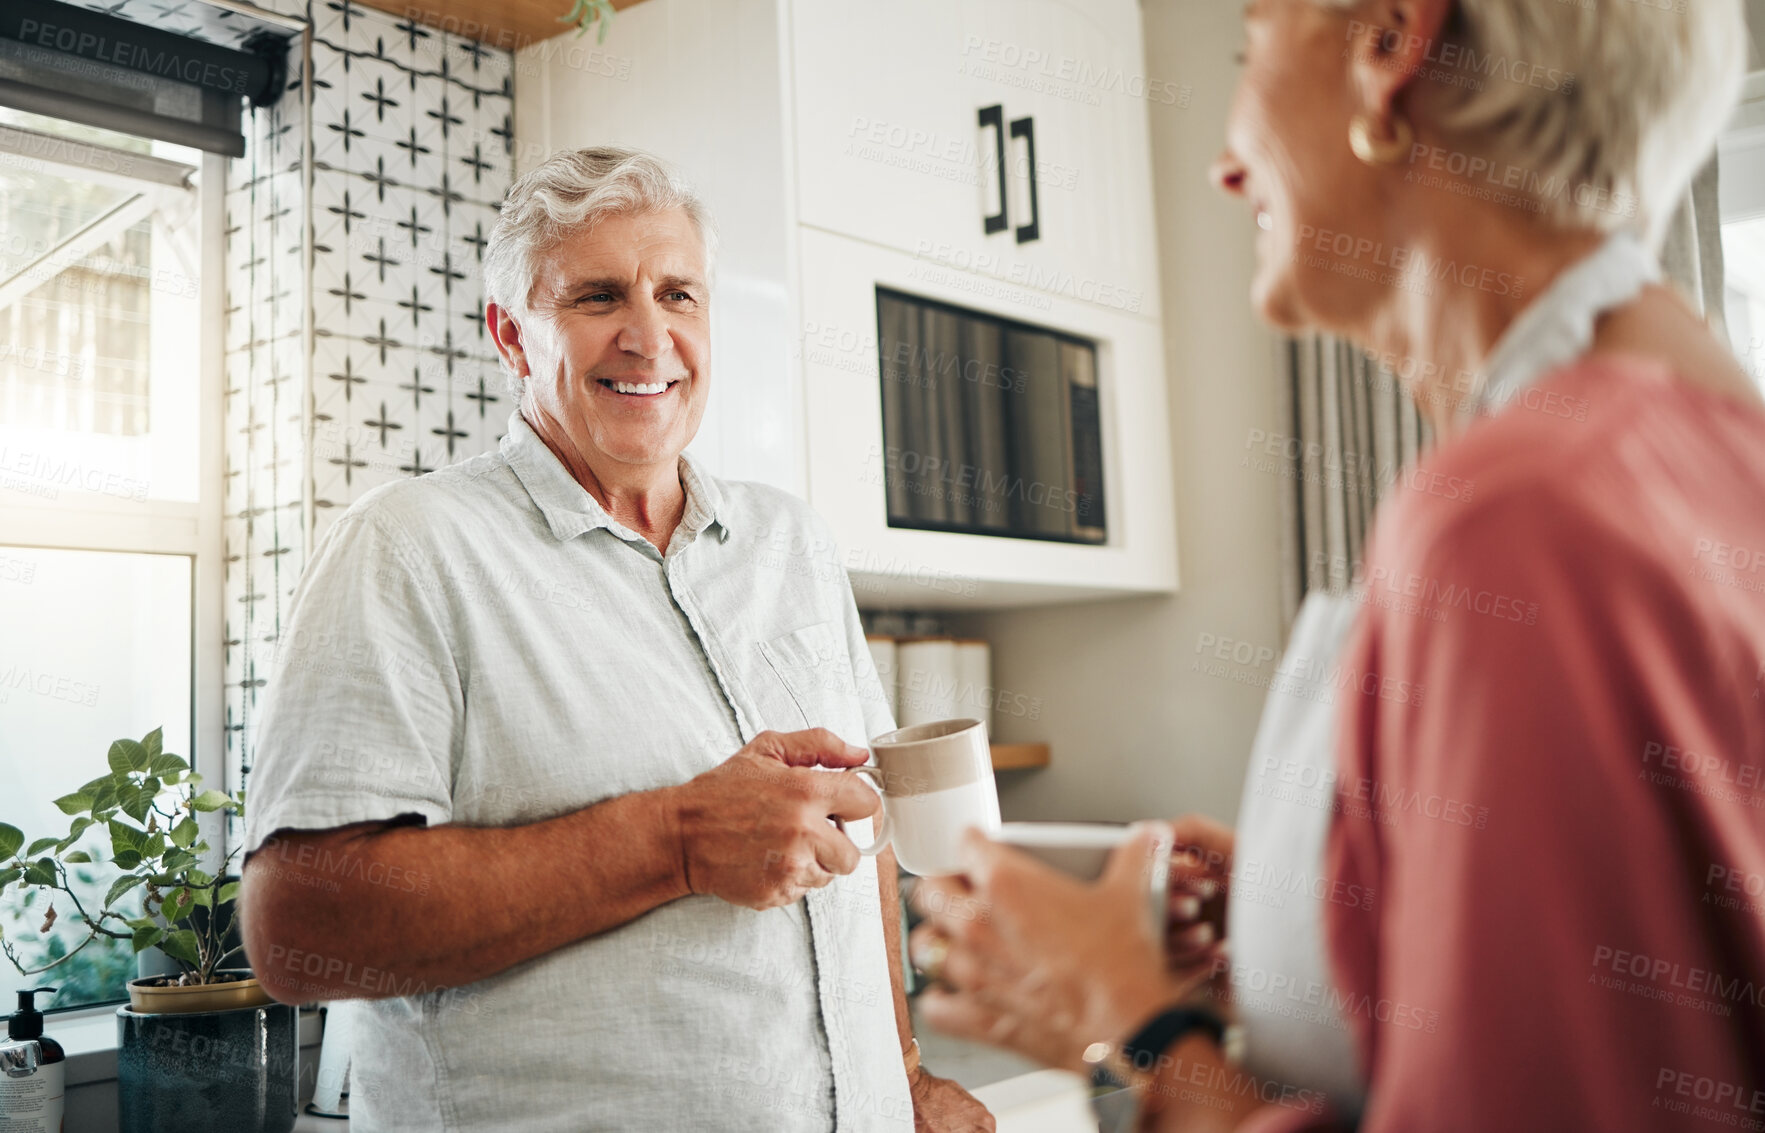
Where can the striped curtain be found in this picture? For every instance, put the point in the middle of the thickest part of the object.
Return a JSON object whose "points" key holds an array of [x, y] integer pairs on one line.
{"points": [[1352, 431]]}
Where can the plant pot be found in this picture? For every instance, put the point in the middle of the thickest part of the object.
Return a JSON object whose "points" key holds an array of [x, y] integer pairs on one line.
{"points": [[150, 962], [236, 993], [208, 1071]]}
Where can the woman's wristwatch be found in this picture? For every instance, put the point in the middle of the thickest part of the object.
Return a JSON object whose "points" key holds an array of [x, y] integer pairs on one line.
{"points": [[1134, 1064]]}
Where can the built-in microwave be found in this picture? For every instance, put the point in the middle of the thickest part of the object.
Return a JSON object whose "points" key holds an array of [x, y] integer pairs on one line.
{"points": [[991, 426]]}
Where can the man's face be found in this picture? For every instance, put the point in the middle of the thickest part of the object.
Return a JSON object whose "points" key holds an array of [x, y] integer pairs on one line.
{"points": [[615, 348]]}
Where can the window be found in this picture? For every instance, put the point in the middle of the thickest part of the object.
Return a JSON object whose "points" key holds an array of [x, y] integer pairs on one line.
{"points": [[110, 486], [1743, 227]]}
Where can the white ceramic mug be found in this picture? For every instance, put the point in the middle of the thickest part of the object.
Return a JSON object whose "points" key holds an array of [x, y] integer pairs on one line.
{"points": [[1082, 849], [936, 781]]}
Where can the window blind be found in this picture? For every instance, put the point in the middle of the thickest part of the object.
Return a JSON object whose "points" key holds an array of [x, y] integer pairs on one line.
{"points": [[183, 81]]}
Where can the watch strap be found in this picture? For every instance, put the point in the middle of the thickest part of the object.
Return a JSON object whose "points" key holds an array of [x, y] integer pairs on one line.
{"points": [[1134, 1064], [1165, 1029]]}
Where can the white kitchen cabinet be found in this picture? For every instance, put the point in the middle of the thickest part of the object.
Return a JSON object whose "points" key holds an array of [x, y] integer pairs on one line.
{"points": [[891, 148], [838, 144]]}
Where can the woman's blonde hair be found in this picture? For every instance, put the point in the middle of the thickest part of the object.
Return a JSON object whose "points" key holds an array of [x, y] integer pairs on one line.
{"points": [[1600, 111]]}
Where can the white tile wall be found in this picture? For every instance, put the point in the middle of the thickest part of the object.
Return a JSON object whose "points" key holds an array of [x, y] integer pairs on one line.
{"points": [[411, 156]]}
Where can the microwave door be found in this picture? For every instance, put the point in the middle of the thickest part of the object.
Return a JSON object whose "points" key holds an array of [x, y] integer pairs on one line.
{"points": [[1078, 366], [1040, 434], [988, 386]]}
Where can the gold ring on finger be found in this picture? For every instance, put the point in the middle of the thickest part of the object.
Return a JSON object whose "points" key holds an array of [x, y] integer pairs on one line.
{"points": [[930, 961]]}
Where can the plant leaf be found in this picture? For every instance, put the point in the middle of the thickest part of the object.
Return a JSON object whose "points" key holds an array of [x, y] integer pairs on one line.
{"points": [[185, 833], [41, 872], [178, 904], [79, 827], [178, 860], [77, 803], [77, 856], [152, 742], [11, 838], [126, 837], [126, 859], [181, 945], [228, 891], [39, 846], [127, 756], [147, 936], [8, 876], [121, 886], [211, 800], [165, 764], [135, 802]]}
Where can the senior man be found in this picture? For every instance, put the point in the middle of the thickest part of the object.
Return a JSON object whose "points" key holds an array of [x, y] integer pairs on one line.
{"points": [[494, 793]]}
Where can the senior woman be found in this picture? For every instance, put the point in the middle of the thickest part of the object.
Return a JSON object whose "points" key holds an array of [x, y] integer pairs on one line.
{"points": [[1547, 798]]}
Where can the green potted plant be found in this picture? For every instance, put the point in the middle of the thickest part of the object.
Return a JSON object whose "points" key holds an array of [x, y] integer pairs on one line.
{"points": [[203, 1047], [586, 13]]}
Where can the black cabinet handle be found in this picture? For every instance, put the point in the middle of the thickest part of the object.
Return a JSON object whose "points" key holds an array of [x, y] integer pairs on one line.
{"points": [[994, 116], [1025, 128]]}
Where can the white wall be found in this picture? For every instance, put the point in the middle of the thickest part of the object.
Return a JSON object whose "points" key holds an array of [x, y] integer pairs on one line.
{"points": [[1136, 730]]}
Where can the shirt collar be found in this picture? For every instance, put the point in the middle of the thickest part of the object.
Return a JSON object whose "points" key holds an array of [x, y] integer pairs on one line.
{"points": [[570, 510], [1558, 326]]}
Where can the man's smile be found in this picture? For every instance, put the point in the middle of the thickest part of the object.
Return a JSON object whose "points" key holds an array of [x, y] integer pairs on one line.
{"points": [[638, 389]]}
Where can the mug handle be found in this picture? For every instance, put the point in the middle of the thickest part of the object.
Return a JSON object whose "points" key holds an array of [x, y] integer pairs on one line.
{"points": [[882, 815]]}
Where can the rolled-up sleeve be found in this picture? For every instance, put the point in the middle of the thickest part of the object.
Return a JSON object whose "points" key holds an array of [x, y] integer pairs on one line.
{"points": [[363, 702]]}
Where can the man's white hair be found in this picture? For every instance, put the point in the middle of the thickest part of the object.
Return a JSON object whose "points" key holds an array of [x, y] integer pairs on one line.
{"points": [[574, 189], [1601, 110]]}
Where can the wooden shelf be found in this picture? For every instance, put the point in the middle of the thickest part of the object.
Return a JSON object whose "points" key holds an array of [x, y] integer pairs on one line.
{"points": [[1012, 757], [507, 24]]}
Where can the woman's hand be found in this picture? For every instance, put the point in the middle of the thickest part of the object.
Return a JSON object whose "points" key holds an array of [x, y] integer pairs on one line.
{"points": [[1028, 958], [1201, 873]]}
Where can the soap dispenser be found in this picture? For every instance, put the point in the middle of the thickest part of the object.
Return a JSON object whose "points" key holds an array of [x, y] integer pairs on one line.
{"points": [[33, 1071]]}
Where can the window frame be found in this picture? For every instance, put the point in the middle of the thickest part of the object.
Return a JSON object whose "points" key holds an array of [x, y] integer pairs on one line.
{"points": [[83, 521], [1741, 148]]}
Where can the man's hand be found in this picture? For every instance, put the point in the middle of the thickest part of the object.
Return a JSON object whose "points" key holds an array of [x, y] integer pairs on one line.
{"points": [[941, 1106], [754, 830]]}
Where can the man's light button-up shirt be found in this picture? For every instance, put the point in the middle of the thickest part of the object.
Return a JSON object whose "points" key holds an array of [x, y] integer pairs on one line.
{"points": [[485, 645]]}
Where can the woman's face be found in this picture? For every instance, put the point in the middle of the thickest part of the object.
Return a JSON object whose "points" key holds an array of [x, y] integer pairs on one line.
{"points": [[1287, 153]]}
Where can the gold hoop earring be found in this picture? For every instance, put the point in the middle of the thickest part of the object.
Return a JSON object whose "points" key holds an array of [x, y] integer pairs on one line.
{"points": [[1381, 151]]}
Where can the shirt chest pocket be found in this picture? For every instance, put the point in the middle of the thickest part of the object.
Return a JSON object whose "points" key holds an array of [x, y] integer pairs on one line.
{"points": [[810, 683]]}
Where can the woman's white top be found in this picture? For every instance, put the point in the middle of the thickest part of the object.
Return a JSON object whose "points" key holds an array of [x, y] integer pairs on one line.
{"points": [[1296, 1032]]}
